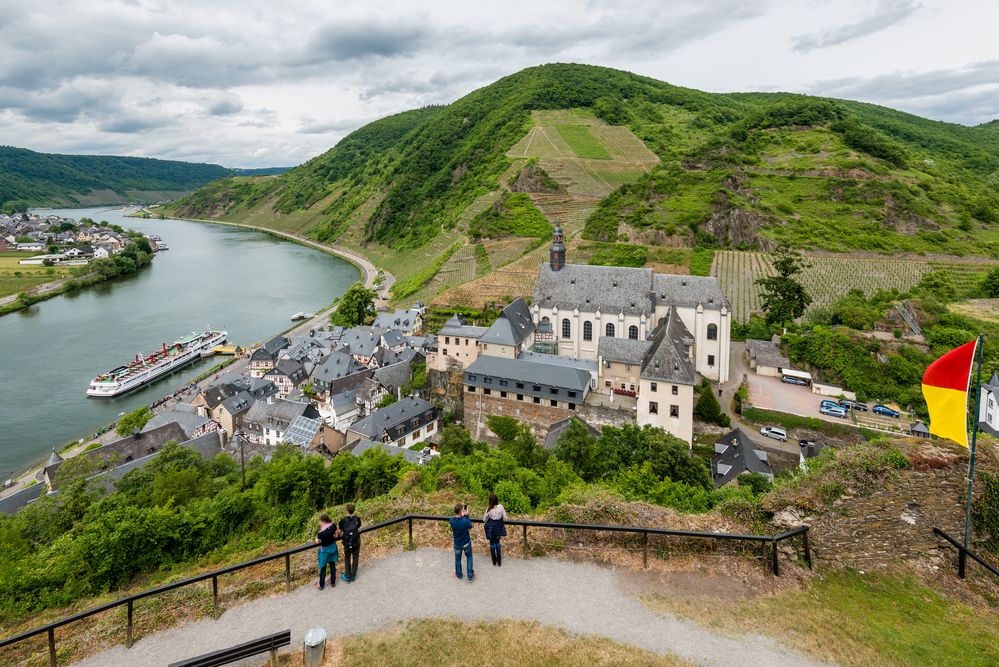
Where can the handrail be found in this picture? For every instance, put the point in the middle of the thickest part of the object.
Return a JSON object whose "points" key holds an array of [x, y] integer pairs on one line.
{"points": [[129, 600], [963, 552]]}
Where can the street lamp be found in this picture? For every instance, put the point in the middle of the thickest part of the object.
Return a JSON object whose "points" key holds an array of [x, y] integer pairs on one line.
{"points": [[242, 456]]}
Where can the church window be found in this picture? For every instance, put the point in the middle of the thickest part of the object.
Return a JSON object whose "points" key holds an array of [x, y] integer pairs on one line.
{"points": [[587, 330]]}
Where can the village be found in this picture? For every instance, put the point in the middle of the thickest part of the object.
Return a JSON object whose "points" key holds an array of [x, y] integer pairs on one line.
{"points": [[607, 346], [63, 241]]}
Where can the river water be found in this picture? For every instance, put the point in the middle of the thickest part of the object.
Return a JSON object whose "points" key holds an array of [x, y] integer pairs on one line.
{"points": [[247, 283]]}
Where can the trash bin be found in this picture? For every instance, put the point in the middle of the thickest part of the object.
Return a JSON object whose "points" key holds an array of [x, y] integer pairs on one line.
{"points": [[315, 647]]}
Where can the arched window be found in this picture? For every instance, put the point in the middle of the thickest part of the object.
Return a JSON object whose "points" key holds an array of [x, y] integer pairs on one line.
{"points": [[609, 330], [587, 330], [633, 332], [566, 328], [712, 332]]}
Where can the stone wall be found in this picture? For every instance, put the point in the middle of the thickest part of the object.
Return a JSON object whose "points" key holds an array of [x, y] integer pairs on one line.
{"points": [[444, 388]]}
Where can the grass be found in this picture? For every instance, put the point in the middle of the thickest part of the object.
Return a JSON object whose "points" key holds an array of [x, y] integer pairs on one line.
{"points": [[31, 275], [500, 643], [860, 619], [790, 421], [582, 142]]}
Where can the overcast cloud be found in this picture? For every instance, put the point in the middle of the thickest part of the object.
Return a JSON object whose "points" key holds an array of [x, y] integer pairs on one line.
{"points": [[250, 83]]}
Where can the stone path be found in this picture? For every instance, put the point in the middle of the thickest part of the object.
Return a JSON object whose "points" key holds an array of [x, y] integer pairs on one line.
{"points": [[580, 598]]}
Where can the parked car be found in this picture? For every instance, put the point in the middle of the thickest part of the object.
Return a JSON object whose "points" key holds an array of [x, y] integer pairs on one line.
{"points": [[787, 379], [826, 403], [774, 432], [853, 405], [833, 410], [886, 411]]}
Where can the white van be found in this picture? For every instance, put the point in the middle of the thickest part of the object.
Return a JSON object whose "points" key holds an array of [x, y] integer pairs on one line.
{"points": [[774, 432]]}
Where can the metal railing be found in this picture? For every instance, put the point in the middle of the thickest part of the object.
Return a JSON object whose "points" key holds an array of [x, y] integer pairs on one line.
{"points": [[129, 601], [963, 553]]}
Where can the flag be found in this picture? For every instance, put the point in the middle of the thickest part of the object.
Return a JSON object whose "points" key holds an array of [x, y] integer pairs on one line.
{"points": [[945, 387]]}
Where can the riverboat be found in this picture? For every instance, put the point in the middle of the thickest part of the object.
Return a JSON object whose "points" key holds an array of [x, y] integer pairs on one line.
{"points": [[146, 368]]}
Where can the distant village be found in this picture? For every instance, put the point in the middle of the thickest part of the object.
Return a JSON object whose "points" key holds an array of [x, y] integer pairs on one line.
{"points": [[62, 241]]}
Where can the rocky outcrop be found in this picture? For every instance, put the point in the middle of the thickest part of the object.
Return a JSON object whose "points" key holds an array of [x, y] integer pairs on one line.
{"points": [[533, 178]]}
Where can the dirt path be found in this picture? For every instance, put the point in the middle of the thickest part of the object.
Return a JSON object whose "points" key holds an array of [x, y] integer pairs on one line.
{"points": [[580, 598]]}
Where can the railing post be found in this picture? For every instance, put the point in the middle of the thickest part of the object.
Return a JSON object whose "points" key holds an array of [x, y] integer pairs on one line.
{"points": [[128, 635], [287, 572], [526, 554], [52, 651], [962, 560], [410, 532], [645, 550], [215, 596], [808, 551], [773, 556]]}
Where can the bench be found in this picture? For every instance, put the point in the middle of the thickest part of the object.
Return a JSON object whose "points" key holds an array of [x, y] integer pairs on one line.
{"points": [[251, 648]]}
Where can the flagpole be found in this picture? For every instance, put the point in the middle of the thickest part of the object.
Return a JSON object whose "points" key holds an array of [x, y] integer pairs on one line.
{"points": [[974, 437]]}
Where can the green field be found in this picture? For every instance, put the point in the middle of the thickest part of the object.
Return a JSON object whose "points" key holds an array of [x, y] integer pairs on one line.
{"points": [[16, 278], [582, 142]]}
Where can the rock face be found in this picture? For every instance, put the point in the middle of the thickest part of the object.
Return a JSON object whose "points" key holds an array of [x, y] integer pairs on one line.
{"points": [[533, 178], [444, 389], [738, 227]]}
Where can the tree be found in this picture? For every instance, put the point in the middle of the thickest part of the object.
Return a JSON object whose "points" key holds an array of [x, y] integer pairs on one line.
{"points": [[990, 286], [356, 304], [456, 440], [707, 406], [784, 299], [134, 419]]}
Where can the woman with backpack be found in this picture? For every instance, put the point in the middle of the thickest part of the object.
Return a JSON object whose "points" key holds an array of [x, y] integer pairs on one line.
{"points": [[328, 552], [495, 520]]}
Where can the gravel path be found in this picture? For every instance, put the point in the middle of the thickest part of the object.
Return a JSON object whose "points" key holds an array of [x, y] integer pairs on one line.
{"points": [[580, 598]]}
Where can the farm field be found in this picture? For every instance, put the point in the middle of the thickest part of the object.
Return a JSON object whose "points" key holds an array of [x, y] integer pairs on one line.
{"points": [[829, 277], [16, 278], [583, 153]]}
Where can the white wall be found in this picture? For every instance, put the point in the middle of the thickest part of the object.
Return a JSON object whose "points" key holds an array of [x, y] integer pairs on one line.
{"points": [[681, 426]]}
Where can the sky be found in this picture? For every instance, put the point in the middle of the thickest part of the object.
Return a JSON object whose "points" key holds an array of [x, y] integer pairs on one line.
{"points": [[253, 83]]}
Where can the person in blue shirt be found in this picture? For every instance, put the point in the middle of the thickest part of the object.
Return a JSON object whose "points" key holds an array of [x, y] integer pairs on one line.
{"points": [[328, 552], [460, 527]]}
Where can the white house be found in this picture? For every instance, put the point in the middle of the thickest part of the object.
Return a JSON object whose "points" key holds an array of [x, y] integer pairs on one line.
{"points": [[988, 411]]}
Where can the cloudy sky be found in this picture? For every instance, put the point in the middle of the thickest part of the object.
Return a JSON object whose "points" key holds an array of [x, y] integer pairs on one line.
{"points": [[248, 83]]}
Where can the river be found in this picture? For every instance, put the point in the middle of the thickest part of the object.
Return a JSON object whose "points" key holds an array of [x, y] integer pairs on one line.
{"points": [[247, 283]]}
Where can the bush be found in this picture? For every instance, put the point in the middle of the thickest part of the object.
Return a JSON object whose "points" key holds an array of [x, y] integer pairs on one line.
{"points": [[513, 497]]}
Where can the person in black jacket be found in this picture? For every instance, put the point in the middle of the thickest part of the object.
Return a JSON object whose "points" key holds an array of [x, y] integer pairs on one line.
{"points": [[350, 528], [495, 522], [329, 554]]}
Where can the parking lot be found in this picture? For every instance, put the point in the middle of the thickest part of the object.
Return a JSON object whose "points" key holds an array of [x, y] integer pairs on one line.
{"points": [[769, 393]]}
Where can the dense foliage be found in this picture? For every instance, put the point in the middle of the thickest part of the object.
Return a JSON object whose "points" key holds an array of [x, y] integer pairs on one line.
{"points": [[28, 178], [355, 306], [782, 296], [513, 215]]}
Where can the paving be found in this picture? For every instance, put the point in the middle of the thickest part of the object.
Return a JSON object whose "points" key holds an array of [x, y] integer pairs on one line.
{"points": [[578, 597]]}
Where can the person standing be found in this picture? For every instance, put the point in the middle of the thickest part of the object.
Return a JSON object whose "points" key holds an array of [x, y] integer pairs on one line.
{"points": [[460, 527], [350, 528], [329, 554], [495, 521]]}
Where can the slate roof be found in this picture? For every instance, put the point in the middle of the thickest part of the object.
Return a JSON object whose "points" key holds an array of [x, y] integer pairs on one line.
{"points": [[290, 369], [238, 403], [765, 353], [399, 319], [270, 349], [556, 430], [688, 291], [609, 289], [992, 384], [513, 325], [735, 454], [188, 421], [394, 416], [394, 375], [344, 401], [15, 501], [521, 370], [335, 366], [393, 338], [457, 327], [216, 394], [667, 359], [623, 350], [358, 448], [279, 414], [360, 341]]}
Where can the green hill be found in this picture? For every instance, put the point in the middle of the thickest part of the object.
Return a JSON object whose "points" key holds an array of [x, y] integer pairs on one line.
{"points": [[28, 178], [719, 170]]}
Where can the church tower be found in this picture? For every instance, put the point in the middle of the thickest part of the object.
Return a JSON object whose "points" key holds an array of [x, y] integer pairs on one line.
{"points": [[556, 254]]}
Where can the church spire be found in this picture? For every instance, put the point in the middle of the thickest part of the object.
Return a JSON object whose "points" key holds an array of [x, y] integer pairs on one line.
{"points": [[556, 254]]}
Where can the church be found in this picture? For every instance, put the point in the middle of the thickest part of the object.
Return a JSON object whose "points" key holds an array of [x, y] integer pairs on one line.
{"points": [[623, 338]]}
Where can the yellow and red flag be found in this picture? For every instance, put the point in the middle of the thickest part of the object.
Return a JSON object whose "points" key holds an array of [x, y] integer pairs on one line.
{"points": [[945, 388]]}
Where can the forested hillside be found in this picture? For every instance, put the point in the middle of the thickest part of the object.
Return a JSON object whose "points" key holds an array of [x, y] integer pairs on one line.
{"points": [[28, 178], [735, 170]]}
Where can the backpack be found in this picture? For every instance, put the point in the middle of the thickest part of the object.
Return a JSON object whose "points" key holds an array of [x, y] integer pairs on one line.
{"points": [[351, 524]]}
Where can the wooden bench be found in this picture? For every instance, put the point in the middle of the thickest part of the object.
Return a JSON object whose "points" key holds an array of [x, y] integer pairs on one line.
{"points": [[251, 648]]}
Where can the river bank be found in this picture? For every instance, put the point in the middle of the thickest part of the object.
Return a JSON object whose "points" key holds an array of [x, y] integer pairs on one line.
{"points": [[249, 283]]}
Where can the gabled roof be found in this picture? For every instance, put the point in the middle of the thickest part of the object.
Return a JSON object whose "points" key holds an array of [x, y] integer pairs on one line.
{"points": [[993, 383], [399, 319], [290, 369], [766, 353], [394, 375], [623, 350], [279, 414], [393, 338], [513, 325], [457, 327], [344, 401], [608, 289], [735, 454], [271, 348], [335, 366], [216, 394], [360, 341], [383, 419], [688, 291], [188, 421], [239, 403], [667, 359]]}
